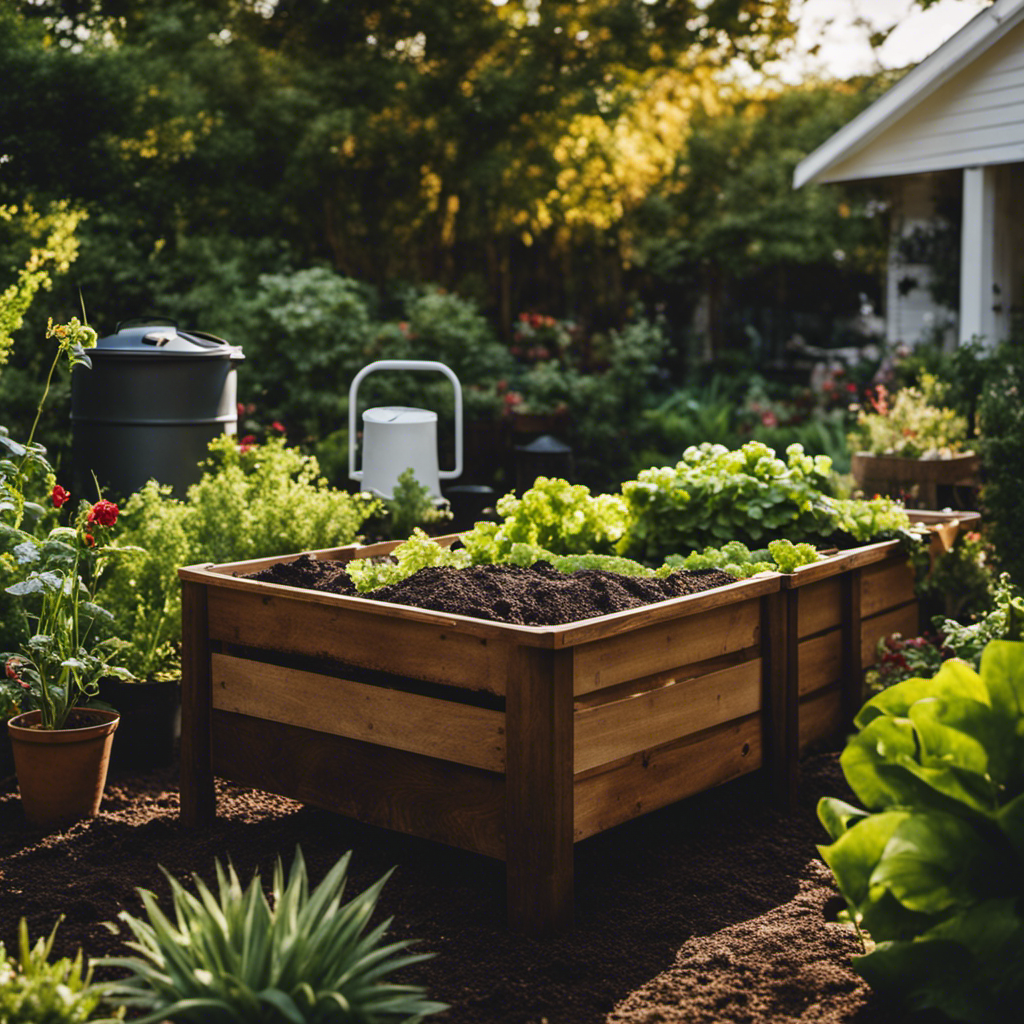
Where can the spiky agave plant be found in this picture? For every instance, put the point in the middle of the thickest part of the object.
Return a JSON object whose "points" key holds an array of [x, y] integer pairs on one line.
{"points": [[232, 958]]}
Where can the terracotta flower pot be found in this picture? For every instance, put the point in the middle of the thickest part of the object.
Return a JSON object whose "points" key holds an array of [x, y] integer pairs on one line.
{"points": [[62, 772]]}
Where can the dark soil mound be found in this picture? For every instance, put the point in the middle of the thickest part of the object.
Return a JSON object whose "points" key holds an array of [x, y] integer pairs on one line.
{"points": [[539, 595]]}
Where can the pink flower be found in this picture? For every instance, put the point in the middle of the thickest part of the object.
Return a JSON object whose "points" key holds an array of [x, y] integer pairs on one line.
{"points": [[278, 426]]}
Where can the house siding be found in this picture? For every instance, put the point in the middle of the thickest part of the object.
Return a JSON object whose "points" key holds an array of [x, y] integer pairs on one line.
{"points": [[976, 118]]}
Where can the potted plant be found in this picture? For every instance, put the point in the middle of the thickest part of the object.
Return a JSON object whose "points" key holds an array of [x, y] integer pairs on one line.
{"points": [[60, 744], [911, 442]]}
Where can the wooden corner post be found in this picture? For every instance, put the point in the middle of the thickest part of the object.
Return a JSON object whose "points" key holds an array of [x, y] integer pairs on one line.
{"points": [[852, 678], [539, 791], [198, 804], [780, 698]]}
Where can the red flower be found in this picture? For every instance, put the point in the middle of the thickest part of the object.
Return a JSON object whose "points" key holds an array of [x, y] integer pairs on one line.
{"points": [[240, 409], [852, 388], [59, 496], [279, 427], [89, 539], [103, 513], [247, 442], [11, 668]]}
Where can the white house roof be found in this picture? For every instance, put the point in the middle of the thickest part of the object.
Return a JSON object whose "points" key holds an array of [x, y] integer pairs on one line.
{"points": [[961, 107]]}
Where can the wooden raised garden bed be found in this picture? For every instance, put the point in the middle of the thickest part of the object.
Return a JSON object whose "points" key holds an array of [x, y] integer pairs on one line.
{"points": [[838, 610], [518, 741], [510, 741], [892, 474]]}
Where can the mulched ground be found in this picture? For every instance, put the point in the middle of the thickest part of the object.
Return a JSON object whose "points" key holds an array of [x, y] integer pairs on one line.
{"points": [[714, 910]]}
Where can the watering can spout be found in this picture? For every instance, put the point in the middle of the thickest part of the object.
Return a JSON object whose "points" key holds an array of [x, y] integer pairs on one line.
{"points": [[397, 438]]}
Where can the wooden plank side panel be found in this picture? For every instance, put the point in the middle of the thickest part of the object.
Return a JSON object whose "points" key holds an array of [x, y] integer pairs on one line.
{"points": [[611, 731], [820, 661], [421, 796], [666, 645], [818, 607], [821, 716], [905, 620], [443, 729], [376, 641], [886, 585], [655, 778]]}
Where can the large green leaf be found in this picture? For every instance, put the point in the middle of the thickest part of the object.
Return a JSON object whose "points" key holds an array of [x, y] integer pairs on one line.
{"points": [[955, 679], [971, 967], [837, 815], [936, 861], [1002, 671], [882, 742], [855, 854], [966, 733]]}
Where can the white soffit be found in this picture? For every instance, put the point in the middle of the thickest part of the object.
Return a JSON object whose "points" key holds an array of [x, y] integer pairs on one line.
{"points": [[957, 53]]}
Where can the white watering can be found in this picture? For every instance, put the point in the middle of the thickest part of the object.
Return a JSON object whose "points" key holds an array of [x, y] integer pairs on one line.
{"points": [[396, 437]]}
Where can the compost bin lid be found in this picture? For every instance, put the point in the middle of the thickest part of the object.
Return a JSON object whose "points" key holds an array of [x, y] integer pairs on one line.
{"points": [[399, 414], [160, 337]]}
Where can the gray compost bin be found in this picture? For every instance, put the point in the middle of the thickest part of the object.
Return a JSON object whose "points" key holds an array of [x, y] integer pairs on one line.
{"points": [[153, 400]]}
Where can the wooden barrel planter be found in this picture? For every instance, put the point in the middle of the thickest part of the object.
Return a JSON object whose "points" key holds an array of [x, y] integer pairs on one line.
{"points": [[890, 474], [511, 741]]}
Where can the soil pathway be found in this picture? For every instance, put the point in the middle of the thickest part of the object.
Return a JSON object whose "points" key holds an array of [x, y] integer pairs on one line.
{"points": [[716, 909]]}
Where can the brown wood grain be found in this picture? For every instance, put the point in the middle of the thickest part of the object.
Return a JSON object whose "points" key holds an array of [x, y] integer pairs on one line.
{"points": [[821, 661], [378, 641], [539, 797], [198, 802], [666, 645], [444, 729], [821, 716], [885, 585], [837, 564], [395, 789], [651, 779], [608, 732], [778, 699], [905, 620], [818, 608]]}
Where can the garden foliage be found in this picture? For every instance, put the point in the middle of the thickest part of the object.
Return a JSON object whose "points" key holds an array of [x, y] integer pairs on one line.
{"points": [[35, 991], [714, 495], [931, 866], [267, 500], [914, 423], [303, 957]]}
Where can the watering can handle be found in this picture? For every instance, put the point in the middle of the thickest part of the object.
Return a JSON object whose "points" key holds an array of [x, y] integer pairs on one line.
{"points": [[404, 364]]}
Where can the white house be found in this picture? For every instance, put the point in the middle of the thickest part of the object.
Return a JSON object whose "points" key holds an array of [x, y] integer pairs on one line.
{"points": [[956, 121]]}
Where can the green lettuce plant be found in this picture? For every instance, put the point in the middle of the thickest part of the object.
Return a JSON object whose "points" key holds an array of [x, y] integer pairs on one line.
{"points": [[738, 560], [35, 991], [560, 517], [300, 958], [714, 495], [932, 866], [418, 552]]}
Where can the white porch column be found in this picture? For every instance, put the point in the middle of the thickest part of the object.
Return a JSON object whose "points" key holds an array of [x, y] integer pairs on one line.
{"points": [[977, 256]]}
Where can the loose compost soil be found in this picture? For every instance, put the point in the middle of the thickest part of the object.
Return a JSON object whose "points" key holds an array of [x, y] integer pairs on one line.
{"points": [[715, 910], [539, 595]]}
